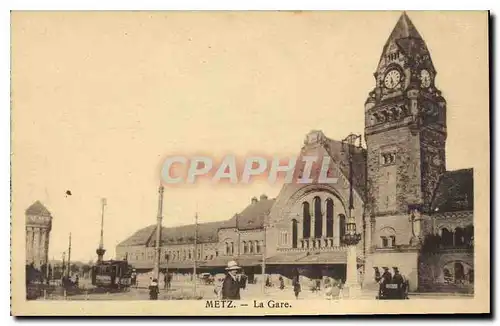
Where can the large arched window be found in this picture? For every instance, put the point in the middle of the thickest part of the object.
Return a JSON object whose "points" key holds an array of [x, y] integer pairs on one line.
{"points": [[294, 233], [329, 218], [341, 227], [245, 247], [446, 238], [250, 245], [227, 249], [318, 219], [257, 247], [306, 214]]}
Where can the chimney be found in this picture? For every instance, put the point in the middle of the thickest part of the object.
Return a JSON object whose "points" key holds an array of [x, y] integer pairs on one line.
{"points": [[254, 200], [263, 197]]}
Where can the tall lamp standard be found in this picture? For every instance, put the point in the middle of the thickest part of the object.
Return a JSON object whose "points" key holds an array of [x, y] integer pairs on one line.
{"points": [[351, 237]]}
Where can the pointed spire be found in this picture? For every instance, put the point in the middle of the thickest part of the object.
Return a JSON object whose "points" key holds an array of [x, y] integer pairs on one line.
{"points": [[404, 29]]}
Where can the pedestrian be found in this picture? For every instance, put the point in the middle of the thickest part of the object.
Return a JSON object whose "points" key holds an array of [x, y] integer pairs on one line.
{"points": [[296, 284], [153, 290], [231, 285], [385, 279], [169, 281], [282, 283]]}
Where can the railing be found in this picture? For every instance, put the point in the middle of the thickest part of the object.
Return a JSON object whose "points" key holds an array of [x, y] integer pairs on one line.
{"points": [[317, 249]]}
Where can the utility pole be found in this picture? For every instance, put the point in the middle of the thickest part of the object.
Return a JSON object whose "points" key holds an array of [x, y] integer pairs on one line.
{"points": [[69, 257], [239, 235], [156, 270], [195, 250], [63, 263], [264, 247], [100, 250]]}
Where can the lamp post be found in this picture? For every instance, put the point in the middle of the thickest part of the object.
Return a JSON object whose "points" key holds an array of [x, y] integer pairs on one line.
{"points": [[159, 217], [351, 237], [100, 250]]}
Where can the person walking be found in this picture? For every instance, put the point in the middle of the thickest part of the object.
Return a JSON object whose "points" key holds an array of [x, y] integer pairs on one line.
{"points": [[231, 285], [282, 283], [296, 284], [153, 290]]}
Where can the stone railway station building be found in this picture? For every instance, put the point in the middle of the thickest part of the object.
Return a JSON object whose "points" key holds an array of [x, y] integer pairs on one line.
{"points": [[411, 212]]}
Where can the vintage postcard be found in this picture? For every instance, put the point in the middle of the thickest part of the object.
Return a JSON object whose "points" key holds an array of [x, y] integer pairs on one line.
{"points": [[250, 163]]}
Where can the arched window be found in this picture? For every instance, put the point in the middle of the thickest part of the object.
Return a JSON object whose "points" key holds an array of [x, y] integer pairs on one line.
{"points": [[294, 233], [190, 254], [245, 247], [227, 249], [459, 237], [232, 248], [306, 214], [318, 219], [329, 218], [250, 244], [341, 227], [459, 272], [469, 236], [446, 238], [388, 237], [257, 246]]}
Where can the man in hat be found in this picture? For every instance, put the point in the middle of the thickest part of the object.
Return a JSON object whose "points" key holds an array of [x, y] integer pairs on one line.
{"points": [[231, 285], [385, 279], [400, 281]]}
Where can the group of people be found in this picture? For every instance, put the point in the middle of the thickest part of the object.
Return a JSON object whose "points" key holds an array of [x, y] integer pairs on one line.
{"points": [[235, 280], [397, 279]]}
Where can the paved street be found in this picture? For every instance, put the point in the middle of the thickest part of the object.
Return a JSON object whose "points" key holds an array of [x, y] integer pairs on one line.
{"points": [[184, 291]]}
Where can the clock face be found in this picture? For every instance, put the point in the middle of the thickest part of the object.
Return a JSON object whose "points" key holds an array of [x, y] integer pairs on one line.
{"points": [[425, 79], [392, 79]]}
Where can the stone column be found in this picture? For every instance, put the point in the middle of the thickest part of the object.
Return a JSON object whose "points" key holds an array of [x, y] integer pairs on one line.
{"points": [[352, 282], [323, 219], [336, 230], [36, 247], [43, 243], [29, 245]]}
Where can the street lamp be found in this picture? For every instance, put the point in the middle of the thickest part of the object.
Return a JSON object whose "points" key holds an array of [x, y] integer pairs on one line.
{"points": [[351, 237]]}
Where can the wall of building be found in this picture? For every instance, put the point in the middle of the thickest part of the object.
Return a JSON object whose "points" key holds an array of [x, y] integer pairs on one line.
{"points": [[433, 277]]}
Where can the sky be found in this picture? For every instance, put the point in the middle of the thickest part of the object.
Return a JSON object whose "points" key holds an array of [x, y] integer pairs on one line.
{"points": [[100, 99]]}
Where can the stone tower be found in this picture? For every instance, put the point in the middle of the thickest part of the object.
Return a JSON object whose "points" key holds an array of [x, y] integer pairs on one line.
{"points": [[38, 226], [405, 130]]}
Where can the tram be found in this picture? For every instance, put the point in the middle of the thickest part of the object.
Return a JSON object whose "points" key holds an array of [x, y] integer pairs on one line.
{"points": [[112, 274]]}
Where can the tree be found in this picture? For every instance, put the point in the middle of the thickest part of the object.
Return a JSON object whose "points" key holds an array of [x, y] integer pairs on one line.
{"points": [[74, 269]]}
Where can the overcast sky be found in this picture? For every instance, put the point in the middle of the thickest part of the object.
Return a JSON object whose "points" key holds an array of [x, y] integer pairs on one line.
{"points": [[99, 99]]}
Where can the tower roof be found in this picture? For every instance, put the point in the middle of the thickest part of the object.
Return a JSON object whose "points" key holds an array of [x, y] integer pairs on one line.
{"points": [[38, 209], [404, 29]]}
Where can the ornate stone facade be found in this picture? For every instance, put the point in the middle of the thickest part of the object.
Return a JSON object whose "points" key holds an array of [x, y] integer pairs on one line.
{"points": [[403, 197]]}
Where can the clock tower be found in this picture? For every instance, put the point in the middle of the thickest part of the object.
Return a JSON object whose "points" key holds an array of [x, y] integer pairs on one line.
{"points": [[405, 132]]}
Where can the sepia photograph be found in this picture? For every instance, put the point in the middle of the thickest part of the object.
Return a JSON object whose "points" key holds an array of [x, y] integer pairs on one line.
{"points": [[251, 163]]}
